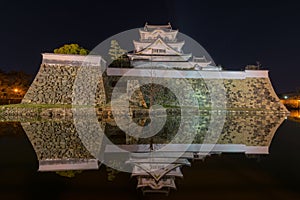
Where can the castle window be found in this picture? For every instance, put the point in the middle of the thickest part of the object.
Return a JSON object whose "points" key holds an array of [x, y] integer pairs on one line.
{"points": [[158, 51]]}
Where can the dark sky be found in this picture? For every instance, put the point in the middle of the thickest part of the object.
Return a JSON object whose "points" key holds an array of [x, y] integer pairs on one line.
{"points": [[235, 33]]}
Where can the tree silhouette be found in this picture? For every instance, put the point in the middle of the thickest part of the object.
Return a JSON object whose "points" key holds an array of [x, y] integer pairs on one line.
{"points": [[14, 84], [71, 49]]}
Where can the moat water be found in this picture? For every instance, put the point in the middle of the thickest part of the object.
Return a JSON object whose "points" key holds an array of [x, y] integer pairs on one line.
{"points": [[229, 173]]}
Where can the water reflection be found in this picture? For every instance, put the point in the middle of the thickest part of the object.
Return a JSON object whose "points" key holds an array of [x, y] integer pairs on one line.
{"points": [[295, 115], [82, 143]]}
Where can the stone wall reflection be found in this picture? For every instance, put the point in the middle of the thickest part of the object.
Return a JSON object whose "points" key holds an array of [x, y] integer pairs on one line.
{"points": [[77, 143], [53, 139]]}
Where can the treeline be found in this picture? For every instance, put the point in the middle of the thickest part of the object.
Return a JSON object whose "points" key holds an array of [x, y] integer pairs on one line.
{"points": [[14, 84]]}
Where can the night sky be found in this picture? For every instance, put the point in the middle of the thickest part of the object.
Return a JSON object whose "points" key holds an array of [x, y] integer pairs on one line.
{"points": [[235, 33]]}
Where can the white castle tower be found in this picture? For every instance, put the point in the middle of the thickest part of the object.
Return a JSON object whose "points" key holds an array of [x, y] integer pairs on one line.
{"points": [[158, 48]]}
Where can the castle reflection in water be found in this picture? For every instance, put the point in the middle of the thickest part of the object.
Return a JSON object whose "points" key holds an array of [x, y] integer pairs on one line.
{"points": [[77, 144]]}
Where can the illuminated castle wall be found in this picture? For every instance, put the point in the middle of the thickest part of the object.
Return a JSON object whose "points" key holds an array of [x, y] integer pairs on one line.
{"points": [[250, 89], [54, 83]]}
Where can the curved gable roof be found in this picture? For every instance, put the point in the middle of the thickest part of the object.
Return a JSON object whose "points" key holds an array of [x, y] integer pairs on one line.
{"points": [[159, 44]]}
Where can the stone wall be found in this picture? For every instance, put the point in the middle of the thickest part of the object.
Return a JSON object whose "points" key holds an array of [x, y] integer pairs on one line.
{"points": [[249, 93], [232, 90], [232, 94], [69, 80], [54, 83]]}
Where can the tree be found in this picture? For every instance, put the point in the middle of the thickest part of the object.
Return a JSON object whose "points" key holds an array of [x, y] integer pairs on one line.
{"points": [[71, 49], [115, 50], [14, 84], [118, 55], [69, 174]]}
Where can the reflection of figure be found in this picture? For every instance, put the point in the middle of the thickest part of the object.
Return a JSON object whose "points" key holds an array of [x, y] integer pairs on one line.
{"points": [[151, 145]]}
